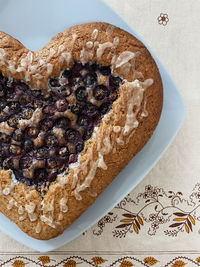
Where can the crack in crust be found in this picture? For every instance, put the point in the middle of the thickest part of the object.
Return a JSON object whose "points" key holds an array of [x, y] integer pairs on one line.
{"points": [[48, 216]]}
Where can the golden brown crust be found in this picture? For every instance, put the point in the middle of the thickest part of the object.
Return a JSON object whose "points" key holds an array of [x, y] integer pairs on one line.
{"points": [[58, 54]]}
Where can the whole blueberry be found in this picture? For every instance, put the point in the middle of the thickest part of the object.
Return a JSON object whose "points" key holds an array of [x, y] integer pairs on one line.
{"points": [[115, 81], [72, 135], [83, 121], [100, 92], [53, 82], [63, 123], [76, 108], [28, 145], [90, 79], [81, 94], [105, 107], [105, 70]]}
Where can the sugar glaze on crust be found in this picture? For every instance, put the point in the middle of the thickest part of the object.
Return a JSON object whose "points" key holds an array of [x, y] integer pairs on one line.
{"points": [[121, 134]]}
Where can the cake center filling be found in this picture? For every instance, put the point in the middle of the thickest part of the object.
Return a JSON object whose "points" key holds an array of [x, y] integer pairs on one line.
{"points": [[43, 132]]}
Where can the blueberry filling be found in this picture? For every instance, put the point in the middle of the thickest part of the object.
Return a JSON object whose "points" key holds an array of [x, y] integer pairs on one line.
{"points": [[38, 149]]}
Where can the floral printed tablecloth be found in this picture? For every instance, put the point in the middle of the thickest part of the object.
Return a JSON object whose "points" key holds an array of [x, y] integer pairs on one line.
{"points": [[158, 223]]}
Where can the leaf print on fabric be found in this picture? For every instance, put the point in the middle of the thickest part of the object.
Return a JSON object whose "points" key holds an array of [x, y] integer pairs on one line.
{"points": [[70, 263], [153, 210], [98, 260], [150, 261], [44, 259], [179, 263], [18, 263], [126, 264]]}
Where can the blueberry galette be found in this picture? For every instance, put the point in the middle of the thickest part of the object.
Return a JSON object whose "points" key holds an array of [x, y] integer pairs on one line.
{"points": [[72, 115]]}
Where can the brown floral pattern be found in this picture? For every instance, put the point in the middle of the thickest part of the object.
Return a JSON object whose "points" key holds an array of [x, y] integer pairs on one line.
{"points": [[154, 210], [74, 261], [163, 19]]}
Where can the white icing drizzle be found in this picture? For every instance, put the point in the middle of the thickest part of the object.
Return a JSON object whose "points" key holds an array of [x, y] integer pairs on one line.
{"points": [[29, 173], [86, 55], [124, 58], [2, 55], [95, 34], [22, 218], [10, 204], [116, 129], [63, 178], [33, 121], [60, 217], [109, 30], [5, 128], [48, 221], [30, 208], [38, 228], [20, 210], [39, 140], [101, 162], [33, 217], [6, 191], [101, 49], [63, 205], [145, 112], [89, 44]]}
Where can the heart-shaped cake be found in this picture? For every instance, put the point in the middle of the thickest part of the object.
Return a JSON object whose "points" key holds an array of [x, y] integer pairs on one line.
{"points": [[72, 115]]}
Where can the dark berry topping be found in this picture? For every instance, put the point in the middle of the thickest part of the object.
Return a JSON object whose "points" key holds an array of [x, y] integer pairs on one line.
{"points": [[90, 80], [105, 70], [76, 69], [113, 96], [27, 113], [32, 132], [81, 94], [25, 163], [115, 81], [14, 106], [83, 121], [15, 150], [63, 123], [4, 138], [76, 108], [41, 153], [87, 134], [17, 135], [28, 145], [46, 125], [72, 135], [67, 74], [42, 146], [100, 92], [79, 147], [54, 82], [40, 174], [90, 110], [66, 91], [63, 152], [104, 108], [24, 100], [92, 66], [51, 140], [61, 104], [13, 121]]}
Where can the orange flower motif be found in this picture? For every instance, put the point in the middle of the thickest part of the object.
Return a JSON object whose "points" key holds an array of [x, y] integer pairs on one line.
{"points": [[163, 19]]}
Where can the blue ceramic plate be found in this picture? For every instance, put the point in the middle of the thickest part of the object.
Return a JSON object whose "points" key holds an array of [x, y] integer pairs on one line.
{"points": [[34, 22]]}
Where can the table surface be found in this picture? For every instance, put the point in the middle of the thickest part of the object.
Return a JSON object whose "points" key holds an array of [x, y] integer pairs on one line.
{"points": [[166, 203]]}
